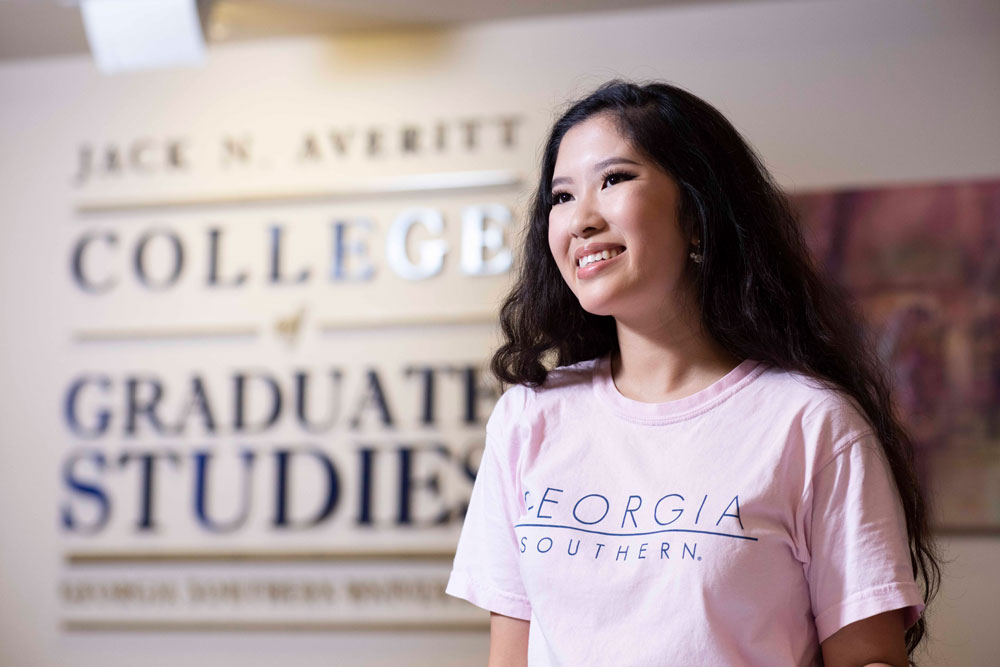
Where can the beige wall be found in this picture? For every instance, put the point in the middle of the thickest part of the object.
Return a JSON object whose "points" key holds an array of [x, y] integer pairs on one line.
{"points": [[833, 93]]}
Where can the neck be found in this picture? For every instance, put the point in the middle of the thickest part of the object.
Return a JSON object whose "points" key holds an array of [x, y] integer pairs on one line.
{"points": [[667, 359]]}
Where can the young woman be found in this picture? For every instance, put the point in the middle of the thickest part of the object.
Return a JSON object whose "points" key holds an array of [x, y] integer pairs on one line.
{"points": [[713, 474]]}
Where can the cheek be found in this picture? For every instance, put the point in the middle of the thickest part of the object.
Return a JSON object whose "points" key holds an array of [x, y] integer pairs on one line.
{"points": [[558, 242], [559, 248]]}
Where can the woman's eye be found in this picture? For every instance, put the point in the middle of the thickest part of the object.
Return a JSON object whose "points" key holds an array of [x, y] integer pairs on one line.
{"points": [[616, 177], [608, 179]]}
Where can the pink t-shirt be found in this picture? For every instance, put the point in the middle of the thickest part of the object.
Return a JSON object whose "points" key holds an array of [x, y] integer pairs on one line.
{"points": [[741, 525]]}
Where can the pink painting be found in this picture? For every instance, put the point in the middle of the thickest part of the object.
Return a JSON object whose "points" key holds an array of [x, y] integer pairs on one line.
{"points": [[923, 263]]}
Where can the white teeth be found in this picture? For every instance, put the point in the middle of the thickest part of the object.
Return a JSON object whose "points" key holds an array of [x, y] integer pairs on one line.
{"points": [[598, 256]]}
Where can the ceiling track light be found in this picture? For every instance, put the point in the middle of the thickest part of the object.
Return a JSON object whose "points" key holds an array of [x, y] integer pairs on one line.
{"points": [[129, 35]]}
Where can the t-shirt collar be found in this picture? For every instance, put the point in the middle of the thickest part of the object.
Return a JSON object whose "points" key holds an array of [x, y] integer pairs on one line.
{"points": [[671, 411]]}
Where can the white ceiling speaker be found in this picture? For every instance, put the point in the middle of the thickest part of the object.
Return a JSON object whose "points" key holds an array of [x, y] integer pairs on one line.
{"points": [[129, 35]]}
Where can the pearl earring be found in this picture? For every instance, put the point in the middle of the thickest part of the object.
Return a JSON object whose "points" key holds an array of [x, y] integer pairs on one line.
{"points": [[696, 256]]}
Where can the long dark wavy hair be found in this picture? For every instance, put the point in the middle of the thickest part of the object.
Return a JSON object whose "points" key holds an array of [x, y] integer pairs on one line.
{"points": [[760, 294]]}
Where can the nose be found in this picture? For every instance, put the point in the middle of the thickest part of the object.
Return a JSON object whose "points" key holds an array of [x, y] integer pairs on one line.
{"points": [[587, 219]]}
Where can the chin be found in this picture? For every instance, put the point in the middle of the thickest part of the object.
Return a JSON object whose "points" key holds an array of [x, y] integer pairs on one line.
{"points": [[596, 308]]}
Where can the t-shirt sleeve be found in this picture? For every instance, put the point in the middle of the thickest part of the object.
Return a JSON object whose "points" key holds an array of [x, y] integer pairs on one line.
{"points": [[486, 570], [859, 559]]}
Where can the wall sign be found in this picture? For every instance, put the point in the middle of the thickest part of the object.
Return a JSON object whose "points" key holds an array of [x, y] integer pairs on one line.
{"points": [[277, 399]]}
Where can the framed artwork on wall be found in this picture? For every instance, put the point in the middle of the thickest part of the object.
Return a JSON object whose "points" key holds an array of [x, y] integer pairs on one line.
{"points": [[923, 264]]}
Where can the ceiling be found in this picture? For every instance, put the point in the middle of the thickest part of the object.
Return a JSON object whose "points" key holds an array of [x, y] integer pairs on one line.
{"points": [[45, 28]]}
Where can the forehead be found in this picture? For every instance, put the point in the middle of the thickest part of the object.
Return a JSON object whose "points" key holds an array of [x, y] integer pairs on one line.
{"points": [[590, 140]]}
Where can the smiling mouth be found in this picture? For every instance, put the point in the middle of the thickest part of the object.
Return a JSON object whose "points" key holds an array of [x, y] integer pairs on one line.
{"points": [[599, 257]]}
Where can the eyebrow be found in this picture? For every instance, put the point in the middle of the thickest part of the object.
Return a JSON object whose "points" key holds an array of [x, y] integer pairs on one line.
{"points": [[597, 167]]}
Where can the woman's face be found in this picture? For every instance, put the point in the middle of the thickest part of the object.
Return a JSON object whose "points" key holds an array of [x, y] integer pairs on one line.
{"points": [[607, 197]]}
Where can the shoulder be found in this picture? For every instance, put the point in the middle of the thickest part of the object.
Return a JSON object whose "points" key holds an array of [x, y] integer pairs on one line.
{"points": [[823, 418], [565, 389], [568, 378], [521, 405], [558, 382]]}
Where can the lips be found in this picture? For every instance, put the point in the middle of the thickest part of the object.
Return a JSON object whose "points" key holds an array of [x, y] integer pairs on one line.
{"points": [[602, 256], [593, 268], [593, 248]]}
